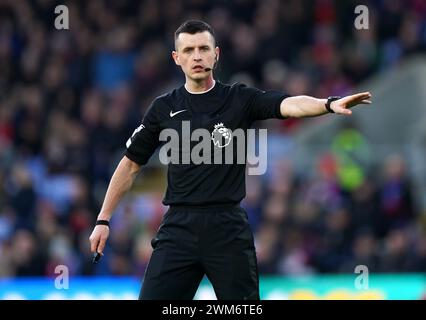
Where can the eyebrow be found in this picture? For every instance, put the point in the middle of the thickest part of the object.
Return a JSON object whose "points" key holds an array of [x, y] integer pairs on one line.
{"points": [[204, 46]]}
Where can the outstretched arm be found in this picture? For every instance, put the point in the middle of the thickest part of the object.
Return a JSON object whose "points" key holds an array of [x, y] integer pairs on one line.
{"points": [[305, 106], [120, 183]]}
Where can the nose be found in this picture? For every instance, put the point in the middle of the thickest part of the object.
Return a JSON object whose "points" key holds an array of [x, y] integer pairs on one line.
{"points": [[197, 56]]}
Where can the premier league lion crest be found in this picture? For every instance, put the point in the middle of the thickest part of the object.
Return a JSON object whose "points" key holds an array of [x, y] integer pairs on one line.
{"points": [[221, 136]]}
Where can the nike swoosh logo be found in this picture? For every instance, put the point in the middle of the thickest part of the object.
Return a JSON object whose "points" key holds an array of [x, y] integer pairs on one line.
{"points": [[172, 114]]}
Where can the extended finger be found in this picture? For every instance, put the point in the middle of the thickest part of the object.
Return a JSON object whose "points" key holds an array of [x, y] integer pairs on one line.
{"points": [[94, 242], [359, 96], [101, 245], [363, 95]]}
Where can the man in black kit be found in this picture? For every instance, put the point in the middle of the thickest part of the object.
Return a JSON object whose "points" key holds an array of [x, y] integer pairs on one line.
{"points": [[205, 231]]}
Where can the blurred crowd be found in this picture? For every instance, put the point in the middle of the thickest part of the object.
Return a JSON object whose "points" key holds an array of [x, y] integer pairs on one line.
{"points": [[70, 99]]}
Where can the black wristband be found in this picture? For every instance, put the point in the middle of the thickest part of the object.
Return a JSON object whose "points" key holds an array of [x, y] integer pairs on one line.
{"points": [[329, 101], [102, 222]]}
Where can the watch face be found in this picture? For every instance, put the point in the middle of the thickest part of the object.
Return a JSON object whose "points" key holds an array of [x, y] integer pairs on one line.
{"points": [[329, 101]]}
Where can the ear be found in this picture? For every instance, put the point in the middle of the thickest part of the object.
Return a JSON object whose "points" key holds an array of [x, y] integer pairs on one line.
{"points": [[217, 51], [175, 57]]}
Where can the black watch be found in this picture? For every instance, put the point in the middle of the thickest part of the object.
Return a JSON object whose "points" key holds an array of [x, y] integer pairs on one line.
{"points": [[329, 101]]}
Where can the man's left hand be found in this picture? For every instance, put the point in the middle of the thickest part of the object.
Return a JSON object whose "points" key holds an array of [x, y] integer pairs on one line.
{"points": [[343, 105]]}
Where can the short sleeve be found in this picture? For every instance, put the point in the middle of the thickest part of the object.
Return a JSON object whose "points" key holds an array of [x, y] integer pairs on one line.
{"points": [[264, 105], [145, 139]]}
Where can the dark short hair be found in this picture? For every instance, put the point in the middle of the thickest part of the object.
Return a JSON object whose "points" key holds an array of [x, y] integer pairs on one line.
{"points": [[193, 27]]}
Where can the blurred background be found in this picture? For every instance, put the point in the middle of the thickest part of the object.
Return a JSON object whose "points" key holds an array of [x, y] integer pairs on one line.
{"points": [[339, 191]]}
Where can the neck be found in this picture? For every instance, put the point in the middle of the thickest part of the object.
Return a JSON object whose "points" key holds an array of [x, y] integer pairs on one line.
{"points": [[199, 86]]}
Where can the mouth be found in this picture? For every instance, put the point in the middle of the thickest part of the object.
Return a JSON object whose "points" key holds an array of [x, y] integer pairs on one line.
{"points": [[198, 68]]}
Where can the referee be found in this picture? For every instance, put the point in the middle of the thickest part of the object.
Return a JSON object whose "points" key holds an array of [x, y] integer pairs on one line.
{"points": [[205, 231]]}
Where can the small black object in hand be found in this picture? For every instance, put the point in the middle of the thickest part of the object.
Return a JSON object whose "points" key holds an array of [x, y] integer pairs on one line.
{"points": [[96, 257]]}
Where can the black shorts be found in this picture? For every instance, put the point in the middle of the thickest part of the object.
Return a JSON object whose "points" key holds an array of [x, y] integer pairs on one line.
{"points": [[192, 242]]}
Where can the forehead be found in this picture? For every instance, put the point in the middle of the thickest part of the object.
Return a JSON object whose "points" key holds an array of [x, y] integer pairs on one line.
{"points": [[194, 40]]}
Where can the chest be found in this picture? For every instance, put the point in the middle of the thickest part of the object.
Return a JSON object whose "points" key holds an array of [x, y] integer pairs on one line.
{"points": [[189, 121]]}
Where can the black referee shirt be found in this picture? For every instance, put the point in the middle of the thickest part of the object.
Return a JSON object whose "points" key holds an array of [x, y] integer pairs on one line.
{"points": [[226, 107]]}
